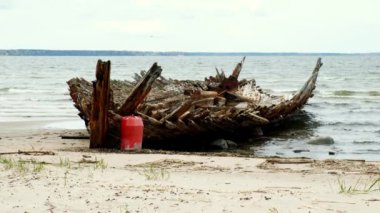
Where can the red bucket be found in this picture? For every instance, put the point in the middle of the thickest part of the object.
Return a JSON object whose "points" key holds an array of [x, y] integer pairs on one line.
{"points": [[131, 133]]}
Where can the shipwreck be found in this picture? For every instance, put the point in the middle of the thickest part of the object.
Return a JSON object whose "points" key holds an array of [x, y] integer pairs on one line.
{"points": [[178, 110]]}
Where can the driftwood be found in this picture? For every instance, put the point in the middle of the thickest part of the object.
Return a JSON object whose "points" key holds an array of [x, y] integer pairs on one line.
{"points": [[173, 109], [74, 137], [20, 152]]}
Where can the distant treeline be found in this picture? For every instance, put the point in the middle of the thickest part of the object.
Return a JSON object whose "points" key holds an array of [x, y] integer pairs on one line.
{"points": [[30, 52]]}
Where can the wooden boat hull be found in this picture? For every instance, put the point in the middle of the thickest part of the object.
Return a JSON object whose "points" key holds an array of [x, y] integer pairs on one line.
{"points": [[173, 109]]}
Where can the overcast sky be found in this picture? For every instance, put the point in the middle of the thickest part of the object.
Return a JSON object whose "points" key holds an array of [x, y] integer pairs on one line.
{"points": [[192, 25]]}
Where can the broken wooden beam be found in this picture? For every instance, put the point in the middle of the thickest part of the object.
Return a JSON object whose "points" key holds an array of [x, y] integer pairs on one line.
{"points": [[232, 83], [238, 69], [100, 105], [140, 91]]}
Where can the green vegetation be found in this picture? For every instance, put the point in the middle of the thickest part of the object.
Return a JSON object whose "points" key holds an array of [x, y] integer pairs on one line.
{"points": [[38, 167], [361, 186], [22, 166], [8, 163], [32, 165], [66, 163], [100, 164], [153, 173], [35, 166]]}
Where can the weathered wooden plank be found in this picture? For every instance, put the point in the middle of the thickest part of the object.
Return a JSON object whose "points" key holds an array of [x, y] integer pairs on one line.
{"points": [[140, 91], [100, 105]]}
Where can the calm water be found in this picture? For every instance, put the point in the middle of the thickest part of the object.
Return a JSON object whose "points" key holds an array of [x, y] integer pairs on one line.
{"points": [[346, 105]]}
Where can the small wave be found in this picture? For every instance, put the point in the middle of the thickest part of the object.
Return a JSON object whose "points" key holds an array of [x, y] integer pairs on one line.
{"points": [[365, 142], [347, 93], [51, 99], [5, 89], [12, 89], [374, 93], [46, 116], [366, 151], [344, 93], [37, 77], [19, 90], [325, 104], [339, 123]]}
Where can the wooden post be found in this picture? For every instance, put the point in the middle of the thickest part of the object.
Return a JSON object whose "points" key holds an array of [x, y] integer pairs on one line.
{"points": [[100, 102]]}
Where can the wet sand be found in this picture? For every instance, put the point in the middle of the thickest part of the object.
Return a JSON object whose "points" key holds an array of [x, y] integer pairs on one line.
{"points": [[76, 179]]}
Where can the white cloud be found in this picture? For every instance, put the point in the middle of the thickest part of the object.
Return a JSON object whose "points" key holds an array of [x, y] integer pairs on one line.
{"points": [[132, 26], [203, 5], [193, 25], [5, 4]]}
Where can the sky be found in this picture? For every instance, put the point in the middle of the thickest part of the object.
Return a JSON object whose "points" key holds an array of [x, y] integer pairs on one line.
{"points": [[348, 26]]}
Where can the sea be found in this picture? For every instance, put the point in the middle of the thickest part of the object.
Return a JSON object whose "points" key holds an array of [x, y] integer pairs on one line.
{"points": [[345, 107]]}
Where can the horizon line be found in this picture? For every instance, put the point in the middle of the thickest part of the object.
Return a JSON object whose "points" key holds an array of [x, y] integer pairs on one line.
{"points": [[180, 52]]}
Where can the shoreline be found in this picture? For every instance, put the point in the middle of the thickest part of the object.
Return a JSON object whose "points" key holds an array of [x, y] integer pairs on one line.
{"points": [[26, 126], [76, 126], [79, 179]]}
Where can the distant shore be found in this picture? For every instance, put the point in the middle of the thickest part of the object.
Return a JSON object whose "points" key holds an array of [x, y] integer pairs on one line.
{"points": [[43, 52]]}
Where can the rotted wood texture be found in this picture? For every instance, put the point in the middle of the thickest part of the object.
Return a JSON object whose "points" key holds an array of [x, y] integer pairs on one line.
{"points": [[100, 105], [173, 109], [140, 91]]}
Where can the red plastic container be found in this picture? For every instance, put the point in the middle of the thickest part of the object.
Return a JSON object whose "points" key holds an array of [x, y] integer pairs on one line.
{"points": [[131, 133]]}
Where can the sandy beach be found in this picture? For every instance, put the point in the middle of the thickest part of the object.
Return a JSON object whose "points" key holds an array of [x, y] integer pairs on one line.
{"points": [[245, 106], [76, 179]]}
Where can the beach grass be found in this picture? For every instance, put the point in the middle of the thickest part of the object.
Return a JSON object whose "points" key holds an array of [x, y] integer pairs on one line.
{"points": [[68, 164], [65, 162], [361, 186], [154, 173], [22, 166], [7, 163], [100, 164]]}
